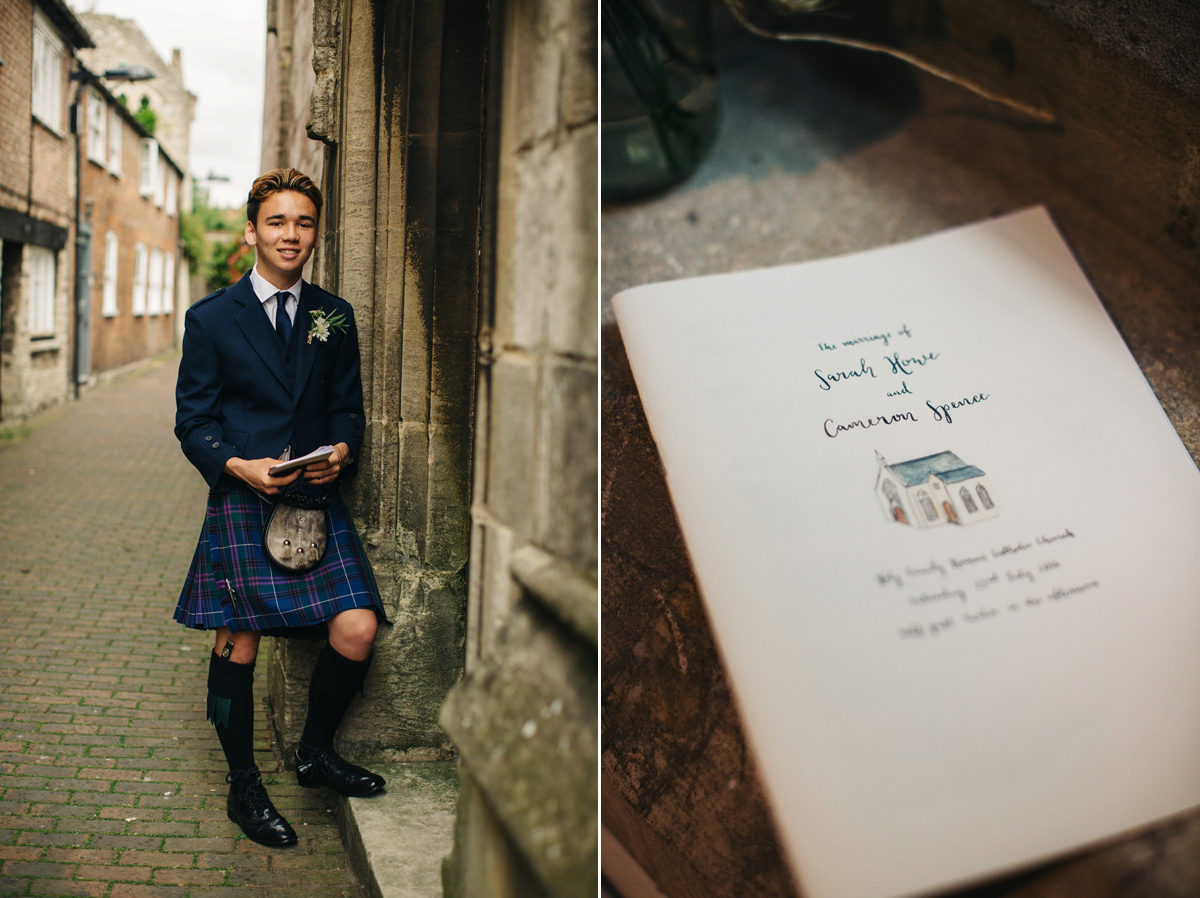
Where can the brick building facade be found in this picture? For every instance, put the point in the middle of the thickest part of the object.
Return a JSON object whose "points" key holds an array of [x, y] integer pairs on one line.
{"points": [[133, 190], [120, 42], [38, 41], [83, 187]]}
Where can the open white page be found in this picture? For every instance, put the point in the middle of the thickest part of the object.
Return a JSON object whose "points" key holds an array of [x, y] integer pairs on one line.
{"points": [[935, 692]]}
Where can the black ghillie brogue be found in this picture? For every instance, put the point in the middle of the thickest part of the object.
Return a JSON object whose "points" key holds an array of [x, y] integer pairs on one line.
{"points": [[250, 807], [325, 767]]}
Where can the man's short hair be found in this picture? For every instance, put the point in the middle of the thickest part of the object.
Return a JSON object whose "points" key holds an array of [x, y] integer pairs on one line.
{"points": [[276, 181]]}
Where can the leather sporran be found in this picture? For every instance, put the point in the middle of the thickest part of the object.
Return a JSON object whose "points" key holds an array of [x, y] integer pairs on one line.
{"points": [[296, 533]]}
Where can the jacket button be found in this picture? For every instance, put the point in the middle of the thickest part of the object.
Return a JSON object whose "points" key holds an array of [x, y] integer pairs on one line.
{"points": [[216, 445], [208, 438], [204, 426], [353, 415]]}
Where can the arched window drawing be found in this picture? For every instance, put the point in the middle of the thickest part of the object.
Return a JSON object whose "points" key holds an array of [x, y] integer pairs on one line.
{"points": [[930, 511], [894, 504], [967, 501], [983, 496]]}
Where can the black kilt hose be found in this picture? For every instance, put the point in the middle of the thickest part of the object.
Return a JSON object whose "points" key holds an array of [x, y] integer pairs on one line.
{"points": [[231, 583], [243, 393]]}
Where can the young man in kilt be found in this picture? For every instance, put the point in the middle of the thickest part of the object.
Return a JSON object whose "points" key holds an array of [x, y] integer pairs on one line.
{"points": [[269, 363]]}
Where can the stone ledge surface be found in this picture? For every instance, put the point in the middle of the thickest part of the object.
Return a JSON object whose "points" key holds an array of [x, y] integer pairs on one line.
{"points": [[397, 840]]}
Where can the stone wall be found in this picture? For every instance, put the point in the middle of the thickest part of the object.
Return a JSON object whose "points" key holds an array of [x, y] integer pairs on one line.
{"points": [[35, 373], [524, 716], [401, 143], [289, 81], [459, 174]]}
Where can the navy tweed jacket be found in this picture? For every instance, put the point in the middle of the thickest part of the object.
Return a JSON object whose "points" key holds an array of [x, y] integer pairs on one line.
{"points": [[241, 392]]}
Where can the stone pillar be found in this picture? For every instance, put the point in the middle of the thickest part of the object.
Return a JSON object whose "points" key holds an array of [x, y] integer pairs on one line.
{"points": [[400, 241], [472, 275], [524, 716]]}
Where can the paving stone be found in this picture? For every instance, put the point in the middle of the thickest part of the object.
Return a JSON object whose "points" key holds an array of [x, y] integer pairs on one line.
{"points": [[86, 811], [188, 877], [120, 890], [123, 842], [39, 869], [57, 888], [158, 858], [80, 855], [113, 873], [76, 840], [92, 732], [19, 853]]}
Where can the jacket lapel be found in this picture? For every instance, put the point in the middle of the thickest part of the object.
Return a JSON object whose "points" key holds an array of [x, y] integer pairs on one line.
{"points": [[258, 331], [306, 352]]}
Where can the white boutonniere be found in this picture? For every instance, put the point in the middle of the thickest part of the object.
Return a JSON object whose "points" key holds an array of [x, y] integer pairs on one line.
{"points": [[322, 324]]}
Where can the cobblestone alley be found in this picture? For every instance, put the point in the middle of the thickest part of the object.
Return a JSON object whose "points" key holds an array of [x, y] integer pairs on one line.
{"points": [[111, 781]]}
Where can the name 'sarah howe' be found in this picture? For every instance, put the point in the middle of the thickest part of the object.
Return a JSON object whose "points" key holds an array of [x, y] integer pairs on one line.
{"points": [[903, 366]]}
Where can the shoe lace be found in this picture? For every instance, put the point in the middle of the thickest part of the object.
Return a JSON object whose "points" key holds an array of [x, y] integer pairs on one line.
{"points": [[249, 787], [322, 759]]}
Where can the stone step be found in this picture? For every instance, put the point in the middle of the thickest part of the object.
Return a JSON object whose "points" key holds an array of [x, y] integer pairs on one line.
{"points": [[396, 841]]}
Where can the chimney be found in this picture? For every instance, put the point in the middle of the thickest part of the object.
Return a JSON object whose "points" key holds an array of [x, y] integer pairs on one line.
{"points": [[177, 61]]}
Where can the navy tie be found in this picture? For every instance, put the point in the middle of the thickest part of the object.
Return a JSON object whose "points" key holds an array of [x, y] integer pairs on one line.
{"points": [[283, 324]]}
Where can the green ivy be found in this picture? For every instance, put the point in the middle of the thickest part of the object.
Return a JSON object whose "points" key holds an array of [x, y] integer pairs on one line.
{"points": [[146, 117]]}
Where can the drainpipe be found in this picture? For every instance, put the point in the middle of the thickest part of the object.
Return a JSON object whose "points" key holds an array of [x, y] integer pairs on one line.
{"points": [[80, 355]]}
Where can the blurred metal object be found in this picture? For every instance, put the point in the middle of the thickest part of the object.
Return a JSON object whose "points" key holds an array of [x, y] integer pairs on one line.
{"points": [[789, 7], [659, 109]]}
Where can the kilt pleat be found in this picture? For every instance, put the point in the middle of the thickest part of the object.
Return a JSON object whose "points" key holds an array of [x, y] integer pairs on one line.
{"points": [[232, 584]]}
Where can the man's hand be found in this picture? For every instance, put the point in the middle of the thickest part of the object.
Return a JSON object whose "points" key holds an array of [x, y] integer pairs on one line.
{"points": [[254, 472], [322, 472]]}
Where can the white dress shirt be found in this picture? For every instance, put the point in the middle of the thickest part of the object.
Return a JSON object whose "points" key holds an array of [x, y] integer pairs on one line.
{"points": [[266, 291]]}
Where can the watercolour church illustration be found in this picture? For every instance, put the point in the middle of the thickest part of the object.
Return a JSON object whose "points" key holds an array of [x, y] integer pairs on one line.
{"points": [[936, 489]]}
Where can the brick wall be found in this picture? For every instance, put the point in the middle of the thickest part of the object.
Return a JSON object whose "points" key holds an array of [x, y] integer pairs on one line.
{"points": [[36, 179], [16, 98], [119, 207], [53, 173]]}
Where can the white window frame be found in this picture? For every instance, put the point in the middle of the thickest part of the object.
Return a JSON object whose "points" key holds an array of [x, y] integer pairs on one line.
{"points": [[148, 180], [115, 127], [160, 185], [168, 302], [154, 295], [43, 276], [48, 55], [141, 261], [109, 302], [97, 119]]}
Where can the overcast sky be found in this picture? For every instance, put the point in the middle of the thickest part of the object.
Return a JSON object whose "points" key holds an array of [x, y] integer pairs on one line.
{"points": [[224, 57]]}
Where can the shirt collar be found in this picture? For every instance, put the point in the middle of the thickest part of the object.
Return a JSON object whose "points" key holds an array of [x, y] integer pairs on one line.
{"points": [[265, 290]]}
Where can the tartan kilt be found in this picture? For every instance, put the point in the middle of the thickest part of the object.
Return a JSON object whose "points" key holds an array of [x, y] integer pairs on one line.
{"points": [[267, 599]]}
